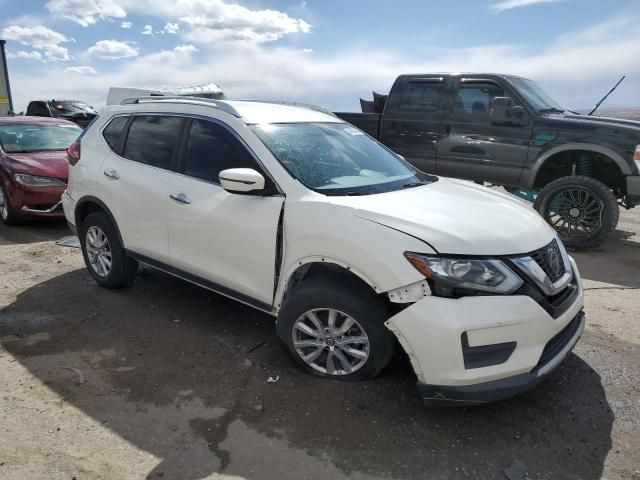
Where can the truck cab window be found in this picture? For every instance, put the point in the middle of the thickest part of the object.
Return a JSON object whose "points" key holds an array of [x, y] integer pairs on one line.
{"points": [[473, 102], [39, 109], [420, 97]]}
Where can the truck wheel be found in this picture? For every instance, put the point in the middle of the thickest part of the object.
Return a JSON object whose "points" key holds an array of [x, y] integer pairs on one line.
{"points": [[334, 328], [103, 253], [582, 210], [7, 213]]}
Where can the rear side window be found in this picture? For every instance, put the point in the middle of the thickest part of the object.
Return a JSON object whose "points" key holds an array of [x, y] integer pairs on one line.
{"points": [[113, 131], [152, 139], [211, 149], [421, 97]]}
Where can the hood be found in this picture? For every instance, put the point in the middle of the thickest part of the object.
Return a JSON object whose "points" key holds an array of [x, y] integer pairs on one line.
{"points": [[52, 164], [597, 121], [456, 217]]}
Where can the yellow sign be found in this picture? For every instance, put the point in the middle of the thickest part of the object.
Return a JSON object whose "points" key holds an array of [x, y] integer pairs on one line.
{"points": [[4, 100]]}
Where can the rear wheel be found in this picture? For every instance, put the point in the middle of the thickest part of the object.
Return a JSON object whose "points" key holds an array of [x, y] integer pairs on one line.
{"points": [[334, 328], [103, 253], [7, 213], [582, 210]]}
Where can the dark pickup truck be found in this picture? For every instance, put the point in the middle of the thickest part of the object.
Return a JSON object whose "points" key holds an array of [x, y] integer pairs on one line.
{"points": [[75, 111], [507, 131]]}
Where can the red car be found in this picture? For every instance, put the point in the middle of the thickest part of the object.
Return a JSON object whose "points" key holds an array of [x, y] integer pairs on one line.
{"points": [[33, 166]]}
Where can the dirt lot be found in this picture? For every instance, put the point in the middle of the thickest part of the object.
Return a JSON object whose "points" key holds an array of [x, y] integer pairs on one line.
{"points": [[155, 382]]}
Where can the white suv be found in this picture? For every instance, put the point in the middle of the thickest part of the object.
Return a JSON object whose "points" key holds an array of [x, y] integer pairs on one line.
{"points": [[292, 211]]}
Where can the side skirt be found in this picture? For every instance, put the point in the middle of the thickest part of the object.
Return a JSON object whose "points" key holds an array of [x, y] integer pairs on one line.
{"points": [[204, 283]]}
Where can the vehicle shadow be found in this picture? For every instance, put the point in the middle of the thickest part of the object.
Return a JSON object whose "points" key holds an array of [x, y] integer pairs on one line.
{"points": [[33, 231], [170, 368], [617, 262]]}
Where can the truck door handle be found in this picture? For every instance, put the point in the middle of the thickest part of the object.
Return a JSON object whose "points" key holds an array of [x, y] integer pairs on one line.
{"points": [[111, 173], [180, 197]]}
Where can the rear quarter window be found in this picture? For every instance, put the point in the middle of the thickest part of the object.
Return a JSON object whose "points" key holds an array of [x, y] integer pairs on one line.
{"points": [[113, 132]]}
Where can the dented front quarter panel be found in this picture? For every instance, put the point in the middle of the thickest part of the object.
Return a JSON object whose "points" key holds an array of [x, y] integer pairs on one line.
{"points": [[316, 230]]}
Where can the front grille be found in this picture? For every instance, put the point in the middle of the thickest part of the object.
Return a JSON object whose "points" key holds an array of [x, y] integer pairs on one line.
{"points": [[557, 343], [543, 257]]}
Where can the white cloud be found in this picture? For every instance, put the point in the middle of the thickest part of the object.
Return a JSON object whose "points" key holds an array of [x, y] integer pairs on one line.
{"points": [[56, 53], [33, 55], [307, 50], [186, 49], [86, 12], [511, 4], [126, 25], [37, 36], [82, 70], [214, 21], [147, 30], [113, 50], [40, 38], [171, 28]]}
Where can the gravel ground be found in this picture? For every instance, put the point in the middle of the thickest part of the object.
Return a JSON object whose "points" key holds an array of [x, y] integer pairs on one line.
{"points": [[155, 381]]}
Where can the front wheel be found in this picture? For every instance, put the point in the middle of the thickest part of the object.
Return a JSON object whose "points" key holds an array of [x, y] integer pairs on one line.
{"points": [[334, 327], [7, 213], [582, 210]]}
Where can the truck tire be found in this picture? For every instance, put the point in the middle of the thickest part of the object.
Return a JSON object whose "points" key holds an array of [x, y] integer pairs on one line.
{"points": [[103, 253], [334, 328], [582, 210]]}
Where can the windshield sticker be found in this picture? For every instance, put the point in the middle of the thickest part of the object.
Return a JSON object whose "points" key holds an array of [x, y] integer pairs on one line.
{"points": [[353, 131]]}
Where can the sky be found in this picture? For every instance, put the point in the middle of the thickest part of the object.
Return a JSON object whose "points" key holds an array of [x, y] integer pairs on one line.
{"points": [[328, 52]]}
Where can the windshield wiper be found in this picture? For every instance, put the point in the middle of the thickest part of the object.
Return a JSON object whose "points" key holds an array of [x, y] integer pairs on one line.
{"points": [[354, 194], [413, 184], [552, 110]]}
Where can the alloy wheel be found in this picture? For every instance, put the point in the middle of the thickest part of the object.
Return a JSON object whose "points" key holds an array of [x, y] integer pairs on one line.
{"points": [[98, 251], [575, 212], [330, 341]]}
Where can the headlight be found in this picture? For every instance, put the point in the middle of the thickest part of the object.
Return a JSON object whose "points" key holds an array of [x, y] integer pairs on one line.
{"points": [[35, 181], [466, 273]]}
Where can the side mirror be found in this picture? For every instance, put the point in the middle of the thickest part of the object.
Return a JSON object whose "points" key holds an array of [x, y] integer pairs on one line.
{"points": [[504, 112], [241, 180]]}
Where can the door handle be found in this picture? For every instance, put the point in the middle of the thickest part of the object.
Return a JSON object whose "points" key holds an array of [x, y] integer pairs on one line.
{"points": [[111, 173], [180, 197]]}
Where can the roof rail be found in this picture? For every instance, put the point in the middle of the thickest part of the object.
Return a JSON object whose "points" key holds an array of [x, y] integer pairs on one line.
{"points": [[225, 107], [310, 106]]}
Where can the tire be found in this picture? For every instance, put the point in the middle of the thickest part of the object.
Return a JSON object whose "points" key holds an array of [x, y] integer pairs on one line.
{"points": [[582, 210], [100, 241], [8, 214], [349, 299]]}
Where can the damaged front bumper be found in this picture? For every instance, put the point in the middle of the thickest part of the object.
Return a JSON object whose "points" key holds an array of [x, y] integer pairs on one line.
{"points": [[482, 349]]}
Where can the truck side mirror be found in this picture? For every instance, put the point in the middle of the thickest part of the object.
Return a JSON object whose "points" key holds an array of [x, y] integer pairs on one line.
{"points": [[504, 112]]}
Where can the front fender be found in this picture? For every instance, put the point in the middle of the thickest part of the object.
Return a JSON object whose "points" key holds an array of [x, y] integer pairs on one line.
{"points": [[316, 232], [585, 147]]}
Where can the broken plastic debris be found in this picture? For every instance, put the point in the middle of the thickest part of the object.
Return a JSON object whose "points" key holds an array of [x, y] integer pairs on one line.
{"points": [[70, 241], [516, 471], [272, 379], [79, 373]]}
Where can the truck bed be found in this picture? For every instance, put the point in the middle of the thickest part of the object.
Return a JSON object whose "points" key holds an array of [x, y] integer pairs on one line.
{"points": [[367, 122]]}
